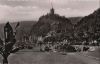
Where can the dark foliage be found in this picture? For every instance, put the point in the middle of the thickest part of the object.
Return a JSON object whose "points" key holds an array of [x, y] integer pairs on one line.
{"points": [[6, 47]]}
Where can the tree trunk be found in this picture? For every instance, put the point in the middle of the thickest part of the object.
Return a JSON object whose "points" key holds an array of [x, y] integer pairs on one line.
{"points": [[5, 61]]}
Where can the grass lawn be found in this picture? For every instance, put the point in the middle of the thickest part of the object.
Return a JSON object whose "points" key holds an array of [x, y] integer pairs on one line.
{"points": [[42, 58], [31, 57]]}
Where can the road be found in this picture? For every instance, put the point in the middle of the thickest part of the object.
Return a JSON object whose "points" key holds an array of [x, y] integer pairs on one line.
{"points": [[50, 58]]}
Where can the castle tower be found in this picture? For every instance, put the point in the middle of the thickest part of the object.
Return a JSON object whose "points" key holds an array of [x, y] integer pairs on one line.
{"points": [[52, 11]]}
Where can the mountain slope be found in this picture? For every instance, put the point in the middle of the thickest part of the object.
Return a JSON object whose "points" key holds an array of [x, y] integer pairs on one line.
{"points": [[75, 20], [90, 22], [89, 27]]}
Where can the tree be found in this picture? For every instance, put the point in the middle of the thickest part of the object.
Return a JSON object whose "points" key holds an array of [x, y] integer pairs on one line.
{"points": [[7, 46]]}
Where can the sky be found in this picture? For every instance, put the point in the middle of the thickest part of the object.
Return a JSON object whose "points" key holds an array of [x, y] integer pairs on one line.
{"points": [[19, 10]]}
